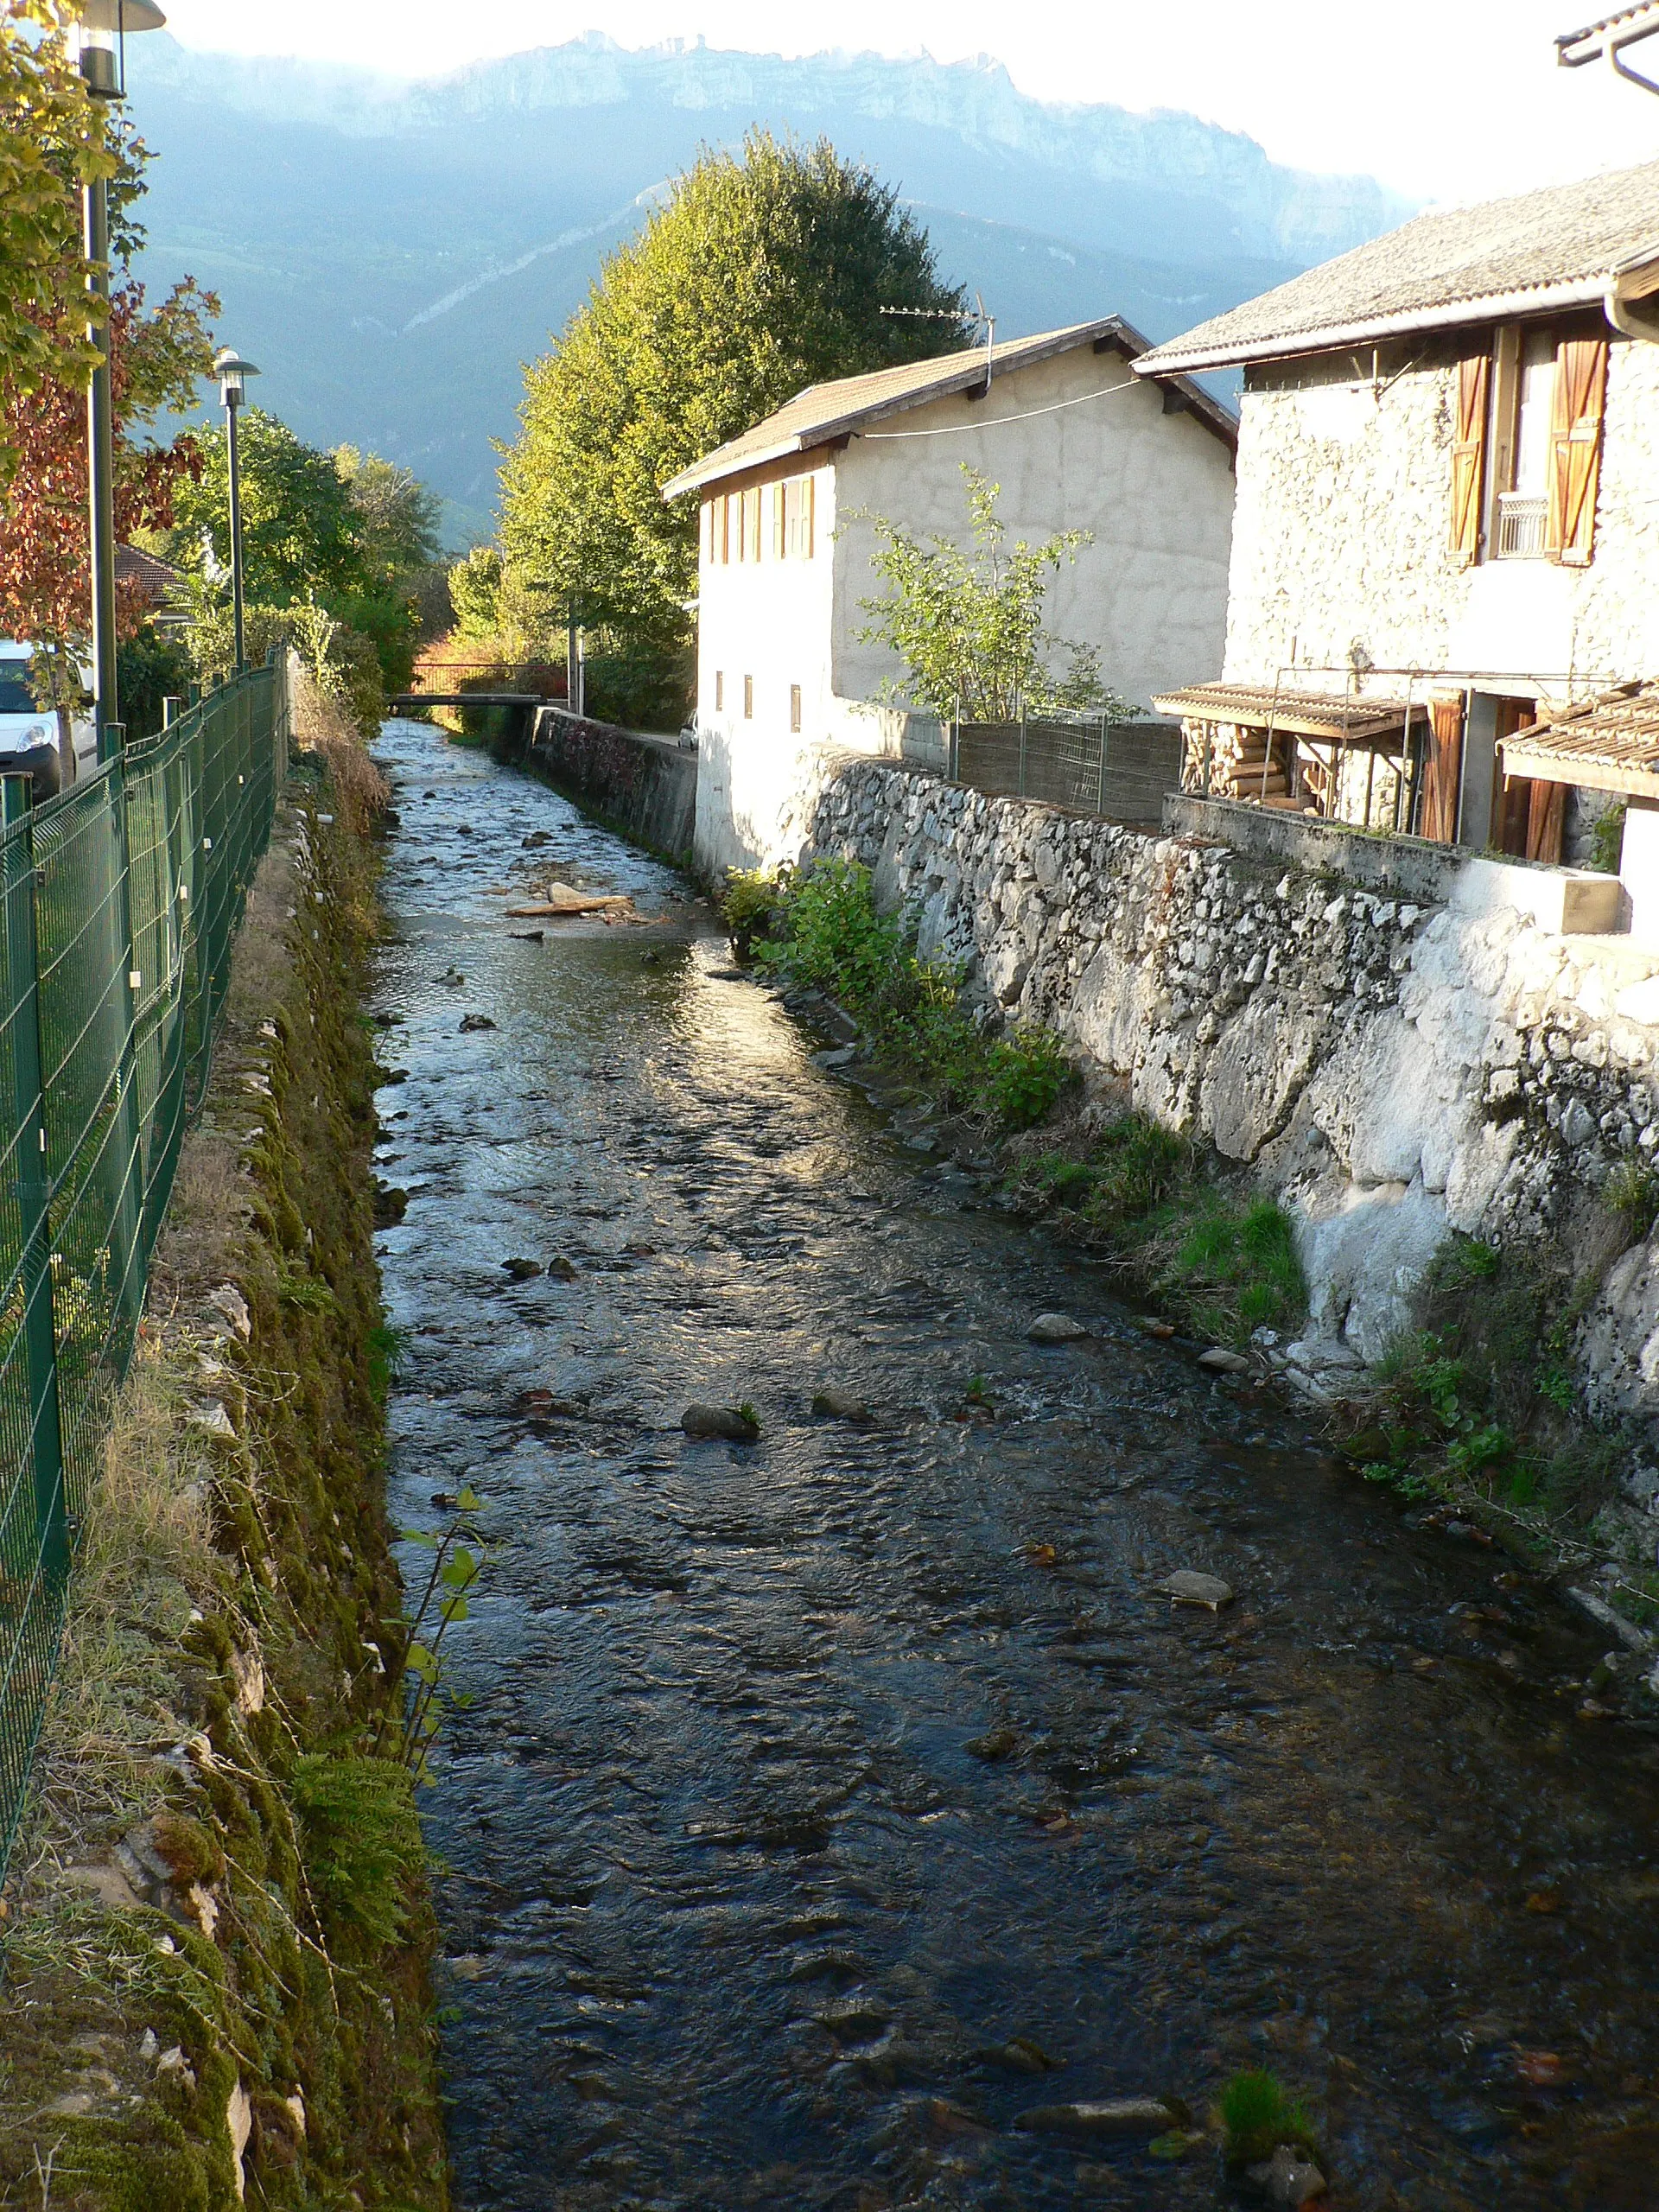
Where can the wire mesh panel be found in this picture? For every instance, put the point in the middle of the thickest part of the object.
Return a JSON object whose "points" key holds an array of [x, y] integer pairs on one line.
{"points": [[119, 902], [1121, 769]]}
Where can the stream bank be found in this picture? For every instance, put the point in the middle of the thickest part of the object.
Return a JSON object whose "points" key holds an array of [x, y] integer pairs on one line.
{"points": [[217, 1925], [827, 1808]]}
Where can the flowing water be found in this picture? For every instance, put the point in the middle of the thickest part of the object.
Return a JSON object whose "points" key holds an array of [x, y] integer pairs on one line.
{"points": [[826, 1806]]}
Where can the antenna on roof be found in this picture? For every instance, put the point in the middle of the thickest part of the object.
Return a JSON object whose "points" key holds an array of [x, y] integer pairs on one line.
{"points": [[982, 319], [1608, 38]]}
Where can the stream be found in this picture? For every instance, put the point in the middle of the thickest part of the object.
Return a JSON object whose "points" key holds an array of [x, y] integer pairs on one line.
{"points": [[825, 1807]]}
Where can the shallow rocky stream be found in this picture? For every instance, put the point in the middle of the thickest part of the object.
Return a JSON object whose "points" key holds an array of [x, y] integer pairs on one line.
{"points": [[826, 1806]]}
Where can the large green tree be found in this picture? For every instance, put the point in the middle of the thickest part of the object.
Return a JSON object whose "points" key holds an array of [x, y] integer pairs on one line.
{"points": [[762, 273], [299, 526]]}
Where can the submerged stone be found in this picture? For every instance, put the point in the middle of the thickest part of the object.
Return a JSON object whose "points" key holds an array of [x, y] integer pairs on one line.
{"points": [[1056, 1329], [839, 1404], [719, 1421], [1185, 1588], [1105, 2116]]}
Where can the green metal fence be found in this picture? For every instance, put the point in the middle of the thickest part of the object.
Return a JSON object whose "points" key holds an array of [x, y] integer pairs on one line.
{"points": [[119, 901]]}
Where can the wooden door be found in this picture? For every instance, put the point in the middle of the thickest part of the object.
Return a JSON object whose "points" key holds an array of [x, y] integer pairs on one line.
{"points": [[1527, 817], [1442, 772]]}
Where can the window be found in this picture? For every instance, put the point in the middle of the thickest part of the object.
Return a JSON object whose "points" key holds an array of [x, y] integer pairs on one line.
{"points": [[795, 707], [795, 503], [720, 689], [745, 523], [748, 698], [1527, 454]]}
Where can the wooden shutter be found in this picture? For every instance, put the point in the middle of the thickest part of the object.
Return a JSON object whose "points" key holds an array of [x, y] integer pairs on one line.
{"points": [[1575, 450], [1468, 457], [780, 520], [1545, 817], [1442, 772], [808, 487]]}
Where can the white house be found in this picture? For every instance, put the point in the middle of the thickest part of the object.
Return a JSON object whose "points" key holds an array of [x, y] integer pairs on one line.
{"points": [[1075, 440], [1444, 605]]}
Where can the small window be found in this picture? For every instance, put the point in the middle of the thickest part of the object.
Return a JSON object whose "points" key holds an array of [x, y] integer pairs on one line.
{"points": [[795, 526], [720, 688], [795, 707], [748, 698]]}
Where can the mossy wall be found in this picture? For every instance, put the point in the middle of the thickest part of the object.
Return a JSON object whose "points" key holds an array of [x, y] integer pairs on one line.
{"points": [[207, 1998]]}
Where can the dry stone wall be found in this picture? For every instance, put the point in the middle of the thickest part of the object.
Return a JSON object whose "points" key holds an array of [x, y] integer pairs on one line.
{"points": [[1393, 1071]]}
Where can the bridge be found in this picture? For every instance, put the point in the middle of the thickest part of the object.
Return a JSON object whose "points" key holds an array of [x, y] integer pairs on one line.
{"points": [[401, 701]]}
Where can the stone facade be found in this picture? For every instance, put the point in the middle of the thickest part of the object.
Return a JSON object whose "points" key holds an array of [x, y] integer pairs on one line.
{"points": [[1392, 1070], [1342, 535]]}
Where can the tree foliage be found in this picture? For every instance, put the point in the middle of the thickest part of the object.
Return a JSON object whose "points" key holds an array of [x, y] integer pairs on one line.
{"points": [[760, 275], [967, 622], [54, 138], [156, 358], [398, 518], [299, 526]]}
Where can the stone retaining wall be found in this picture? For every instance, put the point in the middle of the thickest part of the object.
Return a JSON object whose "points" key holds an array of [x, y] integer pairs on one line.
{"points": [[646, 786], [1393, 1070]]}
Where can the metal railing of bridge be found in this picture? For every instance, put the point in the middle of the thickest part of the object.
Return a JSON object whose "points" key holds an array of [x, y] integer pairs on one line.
{"points": [[119, 901]]}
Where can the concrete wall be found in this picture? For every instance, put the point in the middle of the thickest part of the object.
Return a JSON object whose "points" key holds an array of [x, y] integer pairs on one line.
{"points": [[1393, 1069], [1156, 490], [647, 787], [1343, 528]]}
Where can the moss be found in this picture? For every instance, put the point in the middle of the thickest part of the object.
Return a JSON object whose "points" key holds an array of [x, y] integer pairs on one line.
{"points": [[225, 1593]]}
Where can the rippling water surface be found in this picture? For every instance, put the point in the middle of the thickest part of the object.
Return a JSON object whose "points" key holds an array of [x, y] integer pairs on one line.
{"points": [[814, 1795]]}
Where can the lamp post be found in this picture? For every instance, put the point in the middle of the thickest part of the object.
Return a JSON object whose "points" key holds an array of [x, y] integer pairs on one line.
{"points": [[233, 372], [103, 26]]}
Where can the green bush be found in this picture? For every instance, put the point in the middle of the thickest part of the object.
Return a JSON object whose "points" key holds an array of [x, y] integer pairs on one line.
{"points": [[362, 1842], [1235, 1269]]}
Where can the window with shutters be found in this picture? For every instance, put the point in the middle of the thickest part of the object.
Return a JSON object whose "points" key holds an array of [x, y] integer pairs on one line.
{"points": [[720, 688], [1546, 390], [748, 698], [795, 707]]}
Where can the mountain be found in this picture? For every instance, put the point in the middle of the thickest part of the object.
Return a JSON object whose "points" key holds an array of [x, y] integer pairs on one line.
{"points": [[392, 252]]}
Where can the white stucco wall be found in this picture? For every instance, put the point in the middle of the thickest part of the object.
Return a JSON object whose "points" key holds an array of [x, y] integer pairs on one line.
{"points": [[1342, 536], [1155, 491]]}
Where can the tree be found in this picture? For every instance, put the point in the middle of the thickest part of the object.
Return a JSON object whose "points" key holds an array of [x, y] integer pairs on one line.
{"points": [[759, 276], [398, 518], [299, 526], [156, 360], [52, 139], [968, 624]]}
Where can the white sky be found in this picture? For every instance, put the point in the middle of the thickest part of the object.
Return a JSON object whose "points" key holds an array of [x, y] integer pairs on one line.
{"points": [[1442, 98]]}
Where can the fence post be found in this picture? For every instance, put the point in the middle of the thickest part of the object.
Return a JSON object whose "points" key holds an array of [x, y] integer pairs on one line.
{"points": [[34, 1193], [1022, 748], [1100, 801], [128, 1219]]}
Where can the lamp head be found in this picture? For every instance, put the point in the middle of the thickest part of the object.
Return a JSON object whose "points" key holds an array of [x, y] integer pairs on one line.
{"points": [[103, 27], [231, 371]]}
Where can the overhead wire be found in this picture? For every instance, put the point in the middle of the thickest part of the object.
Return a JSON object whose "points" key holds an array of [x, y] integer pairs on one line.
{"points": [[995, 422]]}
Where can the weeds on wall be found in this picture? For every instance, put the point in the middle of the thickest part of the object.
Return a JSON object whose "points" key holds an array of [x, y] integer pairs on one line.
{"points": [[1219, 1257], [825, 932], [1476, 1404]]}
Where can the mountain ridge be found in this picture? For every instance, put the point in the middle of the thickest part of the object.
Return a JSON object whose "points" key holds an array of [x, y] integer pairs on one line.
{"points": [[393, 250]]}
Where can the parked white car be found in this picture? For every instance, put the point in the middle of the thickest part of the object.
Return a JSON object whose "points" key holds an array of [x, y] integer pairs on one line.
{"points": [[28, 733]]}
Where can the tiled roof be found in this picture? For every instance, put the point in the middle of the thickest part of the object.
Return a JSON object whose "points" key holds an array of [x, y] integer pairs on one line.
{"points": [[826, 411], [155, 581], [1610, 744], [1303, 714], [1566, 246]]}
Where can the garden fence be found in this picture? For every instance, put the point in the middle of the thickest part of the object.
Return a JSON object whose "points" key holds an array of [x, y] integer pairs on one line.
{"points": [[1121, 770], [119, 900]]}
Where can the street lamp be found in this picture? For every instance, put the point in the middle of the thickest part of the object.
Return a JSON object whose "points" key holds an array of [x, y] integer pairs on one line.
{"points": [[103, 26], [233, 372]]}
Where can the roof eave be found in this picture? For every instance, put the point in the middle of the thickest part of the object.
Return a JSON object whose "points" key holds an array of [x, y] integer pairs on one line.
{"points": [[1111, 328], [1451, 315]]}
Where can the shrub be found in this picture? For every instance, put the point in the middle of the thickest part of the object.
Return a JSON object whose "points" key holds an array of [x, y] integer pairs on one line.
{"points": [[747, 906], [362, 1841], [1258, 2117]]}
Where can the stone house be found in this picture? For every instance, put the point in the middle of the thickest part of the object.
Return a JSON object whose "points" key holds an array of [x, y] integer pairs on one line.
{"points": [[784, 680], [1444, 599]]}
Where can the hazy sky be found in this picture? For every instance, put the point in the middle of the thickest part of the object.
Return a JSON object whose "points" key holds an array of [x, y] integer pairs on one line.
{"points": [[1444, 98]]}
